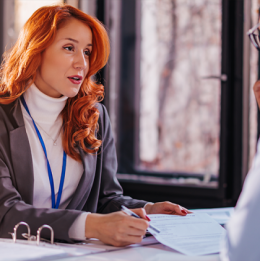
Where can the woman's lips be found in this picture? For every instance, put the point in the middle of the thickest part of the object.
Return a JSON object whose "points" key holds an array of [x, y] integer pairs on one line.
{"points": [[75, 79]]}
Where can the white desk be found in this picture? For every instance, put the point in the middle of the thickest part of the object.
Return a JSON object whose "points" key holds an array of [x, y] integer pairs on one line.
{"points": [[156, 252]]}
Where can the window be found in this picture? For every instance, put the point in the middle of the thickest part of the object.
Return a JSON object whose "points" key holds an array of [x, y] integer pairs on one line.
{"points": [[176, 107], [16, 12], [180, 86], [25, 8]]}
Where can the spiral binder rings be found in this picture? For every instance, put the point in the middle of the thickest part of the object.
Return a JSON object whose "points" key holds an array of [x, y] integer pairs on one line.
{"points": [[33, 247], [30, 237]]}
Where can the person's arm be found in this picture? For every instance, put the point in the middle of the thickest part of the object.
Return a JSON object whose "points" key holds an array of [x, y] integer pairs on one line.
{"points": [[13, 210], [117, 228], [243, 229]]}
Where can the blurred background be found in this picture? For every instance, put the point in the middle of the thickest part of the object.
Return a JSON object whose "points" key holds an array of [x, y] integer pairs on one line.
{"points": [[178, 89]]}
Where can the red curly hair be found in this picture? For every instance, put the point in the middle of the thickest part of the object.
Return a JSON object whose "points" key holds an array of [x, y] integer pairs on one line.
{"points": [[19, 67]]}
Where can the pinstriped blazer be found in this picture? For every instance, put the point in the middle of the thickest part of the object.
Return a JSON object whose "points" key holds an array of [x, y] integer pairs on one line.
{"points": [[98, 190]]}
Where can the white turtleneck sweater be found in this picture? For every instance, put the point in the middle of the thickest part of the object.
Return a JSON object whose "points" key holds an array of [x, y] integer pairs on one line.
{"points": [[46, 111]]}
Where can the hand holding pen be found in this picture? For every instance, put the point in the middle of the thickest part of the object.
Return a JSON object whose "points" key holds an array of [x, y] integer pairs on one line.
{"points": [[131, 213]]}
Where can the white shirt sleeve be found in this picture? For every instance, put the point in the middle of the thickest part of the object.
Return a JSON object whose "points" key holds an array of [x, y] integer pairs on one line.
{"points": [[243, 230], [77, 230]]}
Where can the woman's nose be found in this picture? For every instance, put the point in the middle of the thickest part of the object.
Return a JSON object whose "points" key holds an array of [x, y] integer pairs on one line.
{"points": [[80, 62]]}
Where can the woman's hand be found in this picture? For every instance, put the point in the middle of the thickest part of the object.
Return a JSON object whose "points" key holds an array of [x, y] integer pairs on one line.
{"points": [[256, 89], [118, 228], [166, 208]]}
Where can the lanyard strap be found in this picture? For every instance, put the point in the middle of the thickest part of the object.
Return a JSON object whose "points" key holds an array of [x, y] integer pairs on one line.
{"points": [[54, 205]]}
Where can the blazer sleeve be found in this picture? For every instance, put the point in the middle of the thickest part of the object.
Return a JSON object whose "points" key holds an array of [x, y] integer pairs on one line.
{"points": [[13, 210], [111, 194]]}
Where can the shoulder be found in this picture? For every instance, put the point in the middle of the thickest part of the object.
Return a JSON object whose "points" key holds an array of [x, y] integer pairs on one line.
{"points": [[8, 123], [8, 113], [104, 126], [102, 110], [7, 108], [103, 114]]}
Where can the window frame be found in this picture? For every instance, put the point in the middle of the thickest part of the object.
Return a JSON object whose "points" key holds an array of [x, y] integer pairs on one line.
{"points": [[230, 174]]}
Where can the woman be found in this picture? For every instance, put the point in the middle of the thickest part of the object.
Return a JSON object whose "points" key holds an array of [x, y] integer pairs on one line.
{"points": [[57, 154]]}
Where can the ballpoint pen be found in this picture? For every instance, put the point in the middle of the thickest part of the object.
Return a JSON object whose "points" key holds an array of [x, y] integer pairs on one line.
{"points": [[131, 213]]}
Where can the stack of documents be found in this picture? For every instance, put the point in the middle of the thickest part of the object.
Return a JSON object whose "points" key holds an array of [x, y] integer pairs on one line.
{"points": [[195, 234]]}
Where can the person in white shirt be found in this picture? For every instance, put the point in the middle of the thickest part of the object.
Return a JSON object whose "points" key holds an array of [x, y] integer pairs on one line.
{"points": [[57, 154], [243, 229]]}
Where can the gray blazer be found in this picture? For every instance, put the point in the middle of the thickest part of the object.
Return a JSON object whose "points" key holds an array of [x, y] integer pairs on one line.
{"points": [[98, 190]]}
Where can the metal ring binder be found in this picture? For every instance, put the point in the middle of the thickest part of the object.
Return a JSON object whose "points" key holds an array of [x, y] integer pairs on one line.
{"points": [[15, 230], [39, 233], [32, 237]]}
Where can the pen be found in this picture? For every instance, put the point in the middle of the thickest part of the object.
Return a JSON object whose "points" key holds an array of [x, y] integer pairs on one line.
{"points": [[131, 213]]}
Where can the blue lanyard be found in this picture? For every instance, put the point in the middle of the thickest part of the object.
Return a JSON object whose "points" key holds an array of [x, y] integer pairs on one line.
{"points": [[54, 205]]}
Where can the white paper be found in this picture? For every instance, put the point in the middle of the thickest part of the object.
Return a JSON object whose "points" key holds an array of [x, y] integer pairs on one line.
{"points": [[195, 234], [18, 252], [221, 215]]}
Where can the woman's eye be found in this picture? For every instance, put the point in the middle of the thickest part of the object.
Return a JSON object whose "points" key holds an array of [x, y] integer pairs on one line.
{"points": [[87, 53], [68, 48]]}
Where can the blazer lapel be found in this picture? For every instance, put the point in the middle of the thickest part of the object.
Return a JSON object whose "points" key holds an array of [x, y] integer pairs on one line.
{"points": [[86, 182], [23, 166], [21, 157]]}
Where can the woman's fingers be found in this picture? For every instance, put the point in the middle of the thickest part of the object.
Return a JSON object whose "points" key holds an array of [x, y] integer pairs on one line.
{"points": [[167, 208], [139, 224], [117, 228], [179, 209], [188, 211], [141, 213], [130, 231], [134, 231]]}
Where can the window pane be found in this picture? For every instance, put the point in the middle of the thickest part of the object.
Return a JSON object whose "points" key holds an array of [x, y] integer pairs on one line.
{"points": [[179, 109], [25, 8]]}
